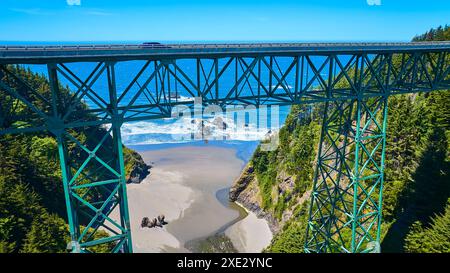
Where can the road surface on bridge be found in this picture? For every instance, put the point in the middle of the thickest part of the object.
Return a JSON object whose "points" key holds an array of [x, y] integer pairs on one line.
{"points": [[75, 53]]}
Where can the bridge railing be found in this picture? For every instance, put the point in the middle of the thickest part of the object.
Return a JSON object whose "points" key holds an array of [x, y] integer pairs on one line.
{"points": [[354, 90], [217, 46]]}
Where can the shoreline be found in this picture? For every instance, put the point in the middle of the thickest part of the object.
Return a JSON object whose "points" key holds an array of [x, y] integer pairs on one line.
{"points": [[243, 149], [184, 184], [217, 241], [251, 234]]}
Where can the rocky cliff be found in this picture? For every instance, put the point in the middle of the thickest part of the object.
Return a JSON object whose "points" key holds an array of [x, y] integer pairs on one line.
{"points": [[135, 167], [247, 193], [275, 184]]}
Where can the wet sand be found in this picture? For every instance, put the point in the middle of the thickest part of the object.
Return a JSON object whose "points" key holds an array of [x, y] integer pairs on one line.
{"points": [[250, 235], [183, 185], [150, 198]]}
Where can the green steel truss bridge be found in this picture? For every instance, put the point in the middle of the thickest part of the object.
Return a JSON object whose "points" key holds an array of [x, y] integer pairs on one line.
{"points": [[352, 80]]}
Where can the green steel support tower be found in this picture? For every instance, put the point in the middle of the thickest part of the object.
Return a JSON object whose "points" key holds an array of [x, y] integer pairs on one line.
{"points": [[93, 195], [346, 201]]}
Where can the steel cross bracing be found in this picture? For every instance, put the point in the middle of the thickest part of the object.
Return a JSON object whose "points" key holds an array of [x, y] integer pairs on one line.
{"points": [[345, 211], [354, 85]]}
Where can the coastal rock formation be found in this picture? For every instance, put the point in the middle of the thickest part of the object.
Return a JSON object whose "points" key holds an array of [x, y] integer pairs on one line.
{"points": [[136, 169], [246, 192], [207, 128], [241, 183], [276, 183], [161, 219], [155, 222], [145, 222]]}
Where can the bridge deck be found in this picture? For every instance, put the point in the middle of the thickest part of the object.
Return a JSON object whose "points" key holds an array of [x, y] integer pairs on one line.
{"points": [[355, 90], [77, 53]]}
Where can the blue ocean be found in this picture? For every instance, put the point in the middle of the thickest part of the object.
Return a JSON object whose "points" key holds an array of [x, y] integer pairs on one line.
{"points": [[244, 130]]}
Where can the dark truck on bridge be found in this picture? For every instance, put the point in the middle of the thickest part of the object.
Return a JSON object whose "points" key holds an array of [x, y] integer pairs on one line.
{"points": [[154, 45]]}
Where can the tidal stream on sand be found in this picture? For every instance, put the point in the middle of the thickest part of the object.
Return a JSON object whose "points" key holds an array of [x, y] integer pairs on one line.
{"points": [[189, 184]]}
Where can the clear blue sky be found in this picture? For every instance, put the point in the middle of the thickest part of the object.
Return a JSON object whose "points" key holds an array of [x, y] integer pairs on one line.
{"points": [[219, 20]]}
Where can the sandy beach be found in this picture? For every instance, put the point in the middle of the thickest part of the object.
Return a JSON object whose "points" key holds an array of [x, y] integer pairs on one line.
{"points": [[250, 235], [182, 185]]}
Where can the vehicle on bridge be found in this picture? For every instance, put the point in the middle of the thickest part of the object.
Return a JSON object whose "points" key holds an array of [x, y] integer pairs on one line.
{"points": [[154, 45]]}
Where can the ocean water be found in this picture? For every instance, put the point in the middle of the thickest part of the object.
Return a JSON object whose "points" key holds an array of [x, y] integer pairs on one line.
{"points": [[249, 126]]}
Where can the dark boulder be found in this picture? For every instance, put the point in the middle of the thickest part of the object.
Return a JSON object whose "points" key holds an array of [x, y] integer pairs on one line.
{"points": [[145, 221], [161, 219]]}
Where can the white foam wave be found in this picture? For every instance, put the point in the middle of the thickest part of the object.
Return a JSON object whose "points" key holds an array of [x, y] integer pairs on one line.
{"points": [[281, 86], [183, 98], [186, 129]]}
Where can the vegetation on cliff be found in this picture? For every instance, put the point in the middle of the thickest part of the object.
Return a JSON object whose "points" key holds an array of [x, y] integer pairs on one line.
{"points": [[417, 173], [32, 210], [435, 34]]}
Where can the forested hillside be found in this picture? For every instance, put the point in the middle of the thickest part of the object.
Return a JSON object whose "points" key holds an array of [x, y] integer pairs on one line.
{"points": [[276, 184], [32, 207], [435, 34]]}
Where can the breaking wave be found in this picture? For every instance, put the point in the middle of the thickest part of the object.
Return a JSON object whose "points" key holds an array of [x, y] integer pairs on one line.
{"points": [[187, 129]]}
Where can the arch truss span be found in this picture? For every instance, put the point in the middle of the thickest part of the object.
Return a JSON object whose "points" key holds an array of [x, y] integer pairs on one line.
{"points": [[84, 109]]}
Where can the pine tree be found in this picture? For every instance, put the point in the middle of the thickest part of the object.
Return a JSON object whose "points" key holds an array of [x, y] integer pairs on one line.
{"points": [[434, 239], [48, 233]]}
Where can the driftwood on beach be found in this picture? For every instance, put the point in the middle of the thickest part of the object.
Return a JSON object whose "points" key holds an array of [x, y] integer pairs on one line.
{"points": [[155, 222]]}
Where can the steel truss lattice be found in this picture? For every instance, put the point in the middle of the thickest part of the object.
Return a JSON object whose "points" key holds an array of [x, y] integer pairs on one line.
{"points": [[346, 200], [347, 196]]}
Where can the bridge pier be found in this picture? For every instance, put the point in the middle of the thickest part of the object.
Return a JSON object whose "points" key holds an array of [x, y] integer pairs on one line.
{"points": [[94, 186], [345, 210], [93, 176]]}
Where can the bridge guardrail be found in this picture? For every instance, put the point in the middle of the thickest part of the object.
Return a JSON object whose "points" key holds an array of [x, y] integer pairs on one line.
{"points": [[210, 46]]}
